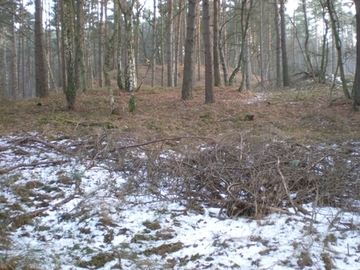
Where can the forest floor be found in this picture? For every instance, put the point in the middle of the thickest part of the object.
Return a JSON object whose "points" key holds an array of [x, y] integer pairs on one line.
{"points": [[257, 180]]}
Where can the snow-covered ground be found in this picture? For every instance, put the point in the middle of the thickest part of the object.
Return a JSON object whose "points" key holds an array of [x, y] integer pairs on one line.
{"points": [[76, 219]]}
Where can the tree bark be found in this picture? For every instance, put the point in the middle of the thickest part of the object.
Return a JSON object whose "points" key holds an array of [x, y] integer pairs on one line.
{"points": [[245, 19], [42, 89], [119, 46], [14, 66], [217, 78], [209, 79], [306, 45], [222, 43], [154, 48], [186, 91], [178, 45], [80, 72], [325, 46], [356, 87], [335, 28], [130, 80], [261, 46], [170, 62], [68, 35], [100, 45], [278, 46], [285, 68]]}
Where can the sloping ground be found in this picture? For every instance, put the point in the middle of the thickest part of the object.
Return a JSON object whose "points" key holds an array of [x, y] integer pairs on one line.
{"points": [[61, 211], [166, 187], [300, 115]]}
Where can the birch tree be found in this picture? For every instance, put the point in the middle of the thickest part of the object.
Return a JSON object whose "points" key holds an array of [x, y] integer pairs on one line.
{"points": [[130, 80]]}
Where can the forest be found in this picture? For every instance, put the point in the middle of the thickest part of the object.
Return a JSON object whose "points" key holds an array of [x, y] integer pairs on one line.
{"points": [[179, 134], [78, 45]]}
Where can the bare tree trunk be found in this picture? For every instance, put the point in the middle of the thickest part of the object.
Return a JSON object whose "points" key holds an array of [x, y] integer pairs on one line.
{"points": [[186, 92], [6, 90], [22, 51], [119, 46], [154, 48], [261, 46], [247, 72], [162, 14], [68, 34], [278, 46], [198, 43], [308, 60], [108, 52], [244, 20], [14, 66], [325, 46], [58, 45], [130, 80], [335, 28], [178, 44], [209, 79], [217, 78], [42, 89], [222, 43], [100, 44], [356, 87], [170, 62], [286, 79], [80, 72]]}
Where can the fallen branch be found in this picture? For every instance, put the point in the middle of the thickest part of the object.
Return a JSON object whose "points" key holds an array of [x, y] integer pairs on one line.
{"points": [[38, 140], [34, 164], [164, 140], [37, 212]]}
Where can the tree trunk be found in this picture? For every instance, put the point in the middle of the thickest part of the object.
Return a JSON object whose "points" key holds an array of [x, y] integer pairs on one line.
{"points": [[286, 79], [80, 72], [261, 46], [278, 46], [22, 51], [325, 46], [68, 34], [335, 28], [154, 48], [198, 43], [170, 62], [356, 87], [306, 45], [209, 79], [42, 89], [178, 44], [217, 78], [14, 66], [222, 44], [100, 45], [130, 80], [245, 19], [119, 46], [186, 91]]}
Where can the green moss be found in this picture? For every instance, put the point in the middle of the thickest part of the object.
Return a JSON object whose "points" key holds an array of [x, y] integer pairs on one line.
{"points": [[97, 261], [164, 249], [152, 225]]}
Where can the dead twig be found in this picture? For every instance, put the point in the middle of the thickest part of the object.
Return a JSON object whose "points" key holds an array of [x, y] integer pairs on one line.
{"points": [[34, 164]]}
